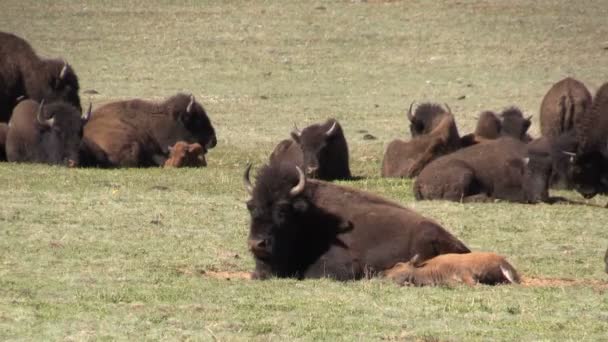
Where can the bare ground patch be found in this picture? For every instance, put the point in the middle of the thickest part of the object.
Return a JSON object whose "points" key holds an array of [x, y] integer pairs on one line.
{"points": [[562, 282]]}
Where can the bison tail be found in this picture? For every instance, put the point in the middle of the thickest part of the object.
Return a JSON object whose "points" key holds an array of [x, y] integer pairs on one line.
{"points": [[510, 274]]}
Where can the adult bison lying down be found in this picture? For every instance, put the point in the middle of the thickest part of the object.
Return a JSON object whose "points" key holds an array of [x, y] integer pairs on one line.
{"points": [[40, 133], [138, 133], [504, 168], [306, 228], [24, 73], [450, 269]]}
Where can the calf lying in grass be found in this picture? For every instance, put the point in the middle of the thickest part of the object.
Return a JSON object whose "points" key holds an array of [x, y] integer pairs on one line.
{"points": [[183, 154], [450, 269]]}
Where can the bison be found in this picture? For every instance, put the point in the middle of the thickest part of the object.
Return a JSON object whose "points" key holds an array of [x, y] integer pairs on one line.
{"points": [[3, 133], [515, 125], [504, 168], [138, 133], [563, 105], [183, 154], [426, 117], [324, 151], [450, 269], [510, 122], [581, 154], [41, 133], [24, 73], [407, 158], [308, 228], [488, 128]]}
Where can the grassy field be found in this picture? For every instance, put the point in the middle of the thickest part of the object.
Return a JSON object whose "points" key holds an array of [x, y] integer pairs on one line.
{"points": [[91, 254]]}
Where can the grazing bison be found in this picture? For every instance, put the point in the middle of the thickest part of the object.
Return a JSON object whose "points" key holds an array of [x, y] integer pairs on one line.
{"points": [[504, 168], [183, 154], [24, 73], [563, 105], [42, 133], [426, 117], [306, 228], [138, 133], [3, 133], [450, 269], [324, 151], [581, 155], [407, 158]]}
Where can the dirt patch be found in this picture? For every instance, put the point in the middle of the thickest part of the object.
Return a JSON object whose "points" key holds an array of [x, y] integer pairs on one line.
{"points": [[561, 282], [226, 275]]}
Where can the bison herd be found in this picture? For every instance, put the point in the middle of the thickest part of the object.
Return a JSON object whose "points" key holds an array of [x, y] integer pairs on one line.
{"points": [[302, 225]]}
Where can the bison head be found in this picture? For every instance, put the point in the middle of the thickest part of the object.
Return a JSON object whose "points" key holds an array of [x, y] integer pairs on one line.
{"points": [[488, 125], [404, 273], [190, 124], [56, 81], [537, 169], [60, 126], [288, 230], [586, 170], [426, 117], [319, 144], [514, 124]]}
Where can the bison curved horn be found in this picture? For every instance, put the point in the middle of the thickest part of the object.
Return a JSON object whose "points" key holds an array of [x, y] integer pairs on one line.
{"points": [[331, 130], [190, 104], [414, 260], [572, 155], [63, 71], [87, 115], [246, 180], [296, 190], [296, 130], [448, 108], [410, 116], [40, 119], [529, 118]]}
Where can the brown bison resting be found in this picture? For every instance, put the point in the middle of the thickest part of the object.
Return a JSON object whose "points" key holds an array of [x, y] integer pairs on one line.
{"points": [[450, 269], [42, 133], [515, 125], [183, 154], [562, 107], [504, 168], [407, 158], [490, 126], [581, 155], [320, 150], [306, 228], [23, 73], [3, 133], [138, 133], [426, 117]]}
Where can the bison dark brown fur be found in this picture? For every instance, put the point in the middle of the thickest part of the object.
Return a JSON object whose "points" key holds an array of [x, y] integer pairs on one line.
{"points": [[324, 151], [3, 133], [514, 124], [42, 133], [24, 73], [307, 228], [426, 117], [138, 133], [451, 269], [289, 152], [504, 168], [563, 105], [407, 158]]}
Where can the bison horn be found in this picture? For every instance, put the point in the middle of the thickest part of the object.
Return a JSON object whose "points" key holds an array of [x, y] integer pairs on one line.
{"points": [[410, 116], [331, 130], [246, 180], [296, 131], [63, 71], [44, 122], [414, 260], [296, 190], [189, 108], [87, 115], [572, 155], [529, 118], [448, 108]]}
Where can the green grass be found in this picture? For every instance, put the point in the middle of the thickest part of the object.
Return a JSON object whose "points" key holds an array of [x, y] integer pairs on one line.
{"points": [[125, 254]]}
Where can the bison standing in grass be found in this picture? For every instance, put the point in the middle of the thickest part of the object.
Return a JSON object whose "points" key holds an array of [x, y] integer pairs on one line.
{"points": [[306, 228], [320, 150], [504, 168], [138, 133], [24, 74], [563, 105], [451, 269], [40, 133], [407, 158]]}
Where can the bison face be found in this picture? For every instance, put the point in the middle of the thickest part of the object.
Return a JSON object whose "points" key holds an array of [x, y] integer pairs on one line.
{"points": [[61, 132], [274, 210], [585, 171], [61, 83], [314, 141]]}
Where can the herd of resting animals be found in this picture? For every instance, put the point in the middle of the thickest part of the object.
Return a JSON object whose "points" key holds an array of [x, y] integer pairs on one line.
{"points": [[302, 225]]}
